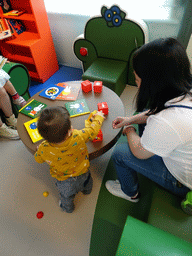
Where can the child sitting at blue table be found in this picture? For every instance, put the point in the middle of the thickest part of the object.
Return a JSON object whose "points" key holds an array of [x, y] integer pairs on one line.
{"points": [[65, 150]]}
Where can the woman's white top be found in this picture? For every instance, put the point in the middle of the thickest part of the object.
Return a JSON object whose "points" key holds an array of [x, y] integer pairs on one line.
{"points": [[169, 134], [4, 77]]}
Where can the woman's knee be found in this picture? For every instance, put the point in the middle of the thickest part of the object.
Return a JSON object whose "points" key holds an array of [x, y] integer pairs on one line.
{"points": [[3, 92], [120, 153]]}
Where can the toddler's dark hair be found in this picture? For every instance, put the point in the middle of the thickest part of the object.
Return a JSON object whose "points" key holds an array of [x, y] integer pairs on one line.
{"points": [[54, 123]]}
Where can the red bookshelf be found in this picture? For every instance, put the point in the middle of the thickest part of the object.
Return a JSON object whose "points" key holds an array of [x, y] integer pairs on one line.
{"points": [[34, 47]]}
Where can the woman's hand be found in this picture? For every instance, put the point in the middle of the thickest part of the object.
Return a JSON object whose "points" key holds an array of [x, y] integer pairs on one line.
{"points": [[121, 121], [135, 119]]}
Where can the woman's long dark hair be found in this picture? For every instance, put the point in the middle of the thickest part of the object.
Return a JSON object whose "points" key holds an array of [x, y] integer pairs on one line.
{"points": [[164, 69]]}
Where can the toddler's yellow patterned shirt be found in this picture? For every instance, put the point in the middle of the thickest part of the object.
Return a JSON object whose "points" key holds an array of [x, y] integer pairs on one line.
{"points": [[70, 158]]}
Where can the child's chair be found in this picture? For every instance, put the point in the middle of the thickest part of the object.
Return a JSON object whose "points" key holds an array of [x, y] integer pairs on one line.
{"points": [[107, 47]]}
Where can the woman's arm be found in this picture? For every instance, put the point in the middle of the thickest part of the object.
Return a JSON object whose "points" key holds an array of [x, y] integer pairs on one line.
{"points": [[135, 144], [140, 118], [124, 121]]}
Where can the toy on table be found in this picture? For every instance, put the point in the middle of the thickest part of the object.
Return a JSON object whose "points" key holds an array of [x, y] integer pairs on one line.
{"points": [[32, 108], [77, 108], [99, 137], [69, 92], [86, 86], [103, 107], [97, 86], [31, 127], [51, 92]]}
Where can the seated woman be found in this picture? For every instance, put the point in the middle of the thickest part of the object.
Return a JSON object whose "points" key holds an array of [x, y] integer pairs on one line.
{"points": [[163, 153], [8, 130]]}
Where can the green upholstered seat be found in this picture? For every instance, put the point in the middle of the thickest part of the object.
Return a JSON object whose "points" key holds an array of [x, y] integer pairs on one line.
{"points": [[111, 72], [109, 50]]}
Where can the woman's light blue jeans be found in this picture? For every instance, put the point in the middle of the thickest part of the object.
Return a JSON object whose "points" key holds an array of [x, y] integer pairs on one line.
{"points": [[127, 166]]}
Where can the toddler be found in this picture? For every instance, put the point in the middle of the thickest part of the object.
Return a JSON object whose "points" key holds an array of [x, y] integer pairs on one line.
{"points": [[65, 150]]}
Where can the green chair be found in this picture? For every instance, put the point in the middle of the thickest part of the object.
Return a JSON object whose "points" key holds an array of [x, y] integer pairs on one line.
{"points": [[20, 79], [107, 47]]}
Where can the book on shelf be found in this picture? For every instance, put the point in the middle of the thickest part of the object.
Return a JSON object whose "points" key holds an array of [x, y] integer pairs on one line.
{"points": [[1, 25], [51, 92], [33, 108], [3, 60], [77, 108], [70, 92], [5, 5], [5, 30], [17, 26], [31, 127], [13, 13]]}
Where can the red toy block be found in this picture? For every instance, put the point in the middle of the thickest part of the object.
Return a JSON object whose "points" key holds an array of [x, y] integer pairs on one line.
{"points": [[99, 136], [86, 86], [103, 107], [97, 86]]}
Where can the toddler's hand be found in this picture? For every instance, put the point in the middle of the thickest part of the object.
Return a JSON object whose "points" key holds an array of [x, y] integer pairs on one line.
{"points": [[100, 113]]}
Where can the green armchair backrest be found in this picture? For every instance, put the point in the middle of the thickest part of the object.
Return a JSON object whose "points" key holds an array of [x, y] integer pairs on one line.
{"points": [[114, 42]]}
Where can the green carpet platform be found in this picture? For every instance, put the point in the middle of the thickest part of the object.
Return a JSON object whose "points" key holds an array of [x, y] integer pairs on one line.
{"points": [[156, 225]]}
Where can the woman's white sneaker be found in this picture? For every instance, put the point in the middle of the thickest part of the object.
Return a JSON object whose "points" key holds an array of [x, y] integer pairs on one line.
{"points": [[114, 187]]}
